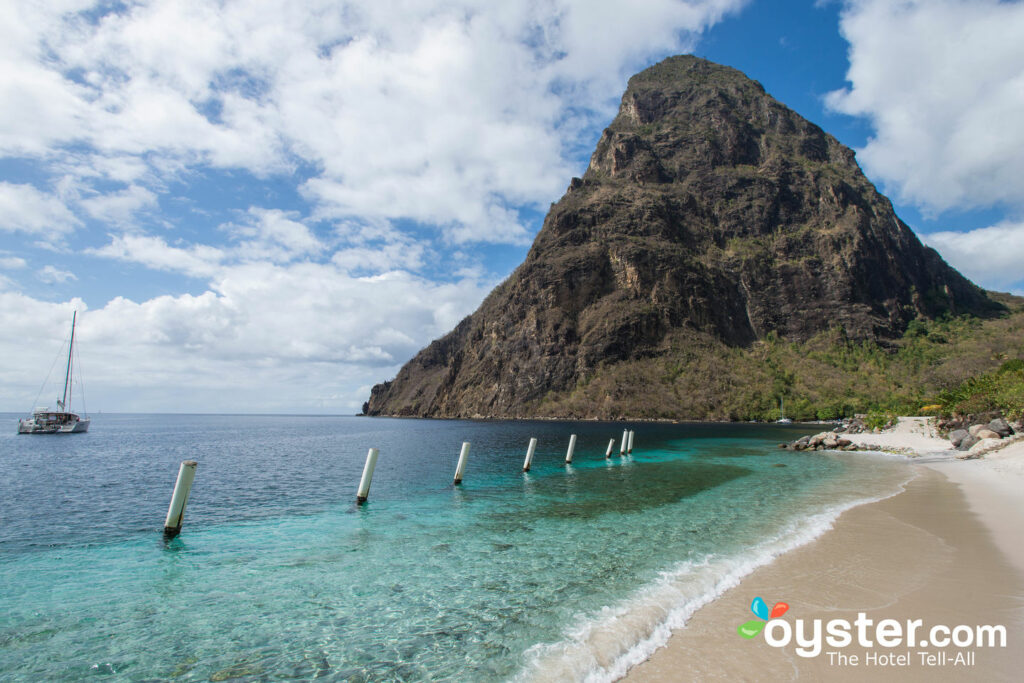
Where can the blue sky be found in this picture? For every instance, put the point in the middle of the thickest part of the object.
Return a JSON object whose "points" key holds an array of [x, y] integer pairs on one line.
{"points": [[269, 207]]}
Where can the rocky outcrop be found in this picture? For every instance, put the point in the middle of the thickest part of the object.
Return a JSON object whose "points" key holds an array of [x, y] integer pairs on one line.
{"points": [[987, 434], [709, 212]]}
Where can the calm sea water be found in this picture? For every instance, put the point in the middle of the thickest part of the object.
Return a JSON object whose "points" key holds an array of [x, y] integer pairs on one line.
{"points": [[562, 573]]}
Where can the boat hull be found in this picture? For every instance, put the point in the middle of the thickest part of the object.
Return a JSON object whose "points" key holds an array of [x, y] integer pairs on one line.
{"points": [[63, 424]]}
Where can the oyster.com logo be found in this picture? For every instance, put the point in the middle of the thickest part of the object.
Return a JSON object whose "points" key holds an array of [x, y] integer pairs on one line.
{"points": [[903, 642], [760, 609]]}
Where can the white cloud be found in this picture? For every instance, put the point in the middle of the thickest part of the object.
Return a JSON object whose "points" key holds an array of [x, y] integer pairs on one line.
{"points": [[992, 257], [53, 275], [262, 337], [153, 252], [23, 208], [119, 207], [942, 82], [12, 262], [273, 235], [452, 112]]}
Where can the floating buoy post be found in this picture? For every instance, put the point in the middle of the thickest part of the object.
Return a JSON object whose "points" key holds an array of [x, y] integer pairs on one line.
{"points": [[182, 487], [611, 447], [460, 469], [364, 482], [572, 447], [622, 446], [629, 448], [529, 455]]}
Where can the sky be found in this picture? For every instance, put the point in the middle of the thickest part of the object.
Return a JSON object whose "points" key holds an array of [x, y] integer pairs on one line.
{"points": [[269, 206]]}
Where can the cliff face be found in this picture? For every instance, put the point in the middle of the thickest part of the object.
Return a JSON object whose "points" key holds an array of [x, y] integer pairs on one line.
{"points": [[709, 211]]}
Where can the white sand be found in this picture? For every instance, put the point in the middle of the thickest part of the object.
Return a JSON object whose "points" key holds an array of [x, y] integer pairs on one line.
{"points": [[993, 484], [994, 488], [910, 433]]}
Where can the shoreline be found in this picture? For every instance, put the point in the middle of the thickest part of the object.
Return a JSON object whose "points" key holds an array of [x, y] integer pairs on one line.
{"points": [[946, 550]]}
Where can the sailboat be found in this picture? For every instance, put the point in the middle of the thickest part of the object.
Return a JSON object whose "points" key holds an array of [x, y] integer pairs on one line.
{"points": [[60, 421]]}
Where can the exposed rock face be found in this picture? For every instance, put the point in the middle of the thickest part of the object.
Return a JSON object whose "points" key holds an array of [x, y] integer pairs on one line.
{"points": [[708, 209]]}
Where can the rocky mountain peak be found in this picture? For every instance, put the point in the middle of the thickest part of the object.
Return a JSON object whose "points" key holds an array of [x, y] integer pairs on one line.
{"points": [[708, 210]]}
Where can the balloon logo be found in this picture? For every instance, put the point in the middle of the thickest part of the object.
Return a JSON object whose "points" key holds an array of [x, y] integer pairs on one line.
{"points": [[760, 609]]}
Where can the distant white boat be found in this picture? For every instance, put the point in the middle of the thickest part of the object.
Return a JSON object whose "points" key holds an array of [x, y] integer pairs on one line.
{"points": [[61, 421]]}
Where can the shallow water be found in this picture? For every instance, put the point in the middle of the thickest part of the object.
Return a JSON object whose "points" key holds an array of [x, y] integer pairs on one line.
{"points": [[561, 573]]}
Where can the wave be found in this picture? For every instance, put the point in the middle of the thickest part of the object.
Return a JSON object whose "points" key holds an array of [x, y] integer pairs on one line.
{"points": [[603, 647]]}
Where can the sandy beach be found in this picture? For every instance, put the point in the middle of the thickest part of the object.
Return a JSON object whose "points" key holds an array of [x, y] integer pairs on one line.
{"points": [[945, 551]]}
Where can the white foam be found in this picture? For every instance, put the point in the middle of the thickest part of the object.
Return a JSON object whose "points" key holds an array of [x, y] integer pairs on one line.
{"points": [[602, 647]]}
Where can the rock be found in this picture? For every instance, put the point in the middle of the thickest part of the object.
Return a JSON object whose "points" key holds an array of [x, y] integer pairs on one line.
{"points": [[1017, 427], [974, 429], [710, 216], [985, 444], [967, 442], [987, 434], [958, 435], [843, 443], [1000, 427]]}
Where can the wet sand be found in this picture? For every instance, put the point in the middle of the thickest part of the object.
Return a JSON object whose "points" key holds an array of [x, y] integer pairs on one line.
{"points": [[923, 554]]}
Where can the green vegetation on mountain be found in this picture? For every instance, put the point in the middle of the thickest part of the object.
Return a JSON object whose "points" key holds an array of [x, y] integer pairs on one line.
{"points": [[719, 254], [949, 362]]}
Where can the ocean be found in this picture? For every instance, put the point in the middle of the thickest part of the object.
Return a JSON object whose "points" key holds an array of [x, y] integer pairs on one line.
{"points": [[562, 573]]}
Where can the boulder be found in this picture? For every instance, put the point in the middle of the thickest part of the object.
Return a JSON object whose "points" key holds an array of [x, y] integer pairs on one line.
{"points": [[967, 442], [817, 440], [1000, 427], [974, 429], [987, 434], [843, 443], [958, 435]]}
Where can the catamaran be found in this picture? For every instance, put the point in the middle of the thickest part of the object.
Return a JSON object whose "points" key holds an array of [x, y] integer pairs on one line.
{"points": [[60, 421]]}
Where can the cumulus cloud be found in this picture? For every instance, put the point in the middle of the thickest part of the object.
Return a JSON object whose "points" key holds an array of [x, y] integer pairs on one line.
{"points": [[991, 256], [12, 262], [273, 235], [53, 275], [153, 252], [943, 86], [452, 113], [23, 208], [262, 337], [119, 207]]}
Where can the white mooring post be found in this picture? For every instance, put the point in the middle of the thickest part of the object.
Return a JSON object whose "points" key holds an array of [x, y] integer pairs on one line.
{"points": [[364, 482], [572, 447], [629, 448], [529, 455], [460, 469], [611, 447], [182, 487], [622, 446]]}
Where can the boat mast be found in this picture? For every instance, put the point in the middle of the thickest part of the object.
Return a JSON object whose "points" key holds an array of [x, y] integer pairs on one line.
{"points": [[67, 376]]}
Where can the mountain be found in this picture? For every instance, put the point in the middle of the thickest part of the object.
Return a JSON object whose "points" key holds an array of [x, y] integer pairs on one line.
{"points": [[711, 221]]}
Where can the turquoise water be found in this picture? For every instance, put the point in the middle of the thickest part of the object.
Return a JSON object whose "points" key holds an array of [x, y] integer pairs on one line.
{"points": [[562, 573]]}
